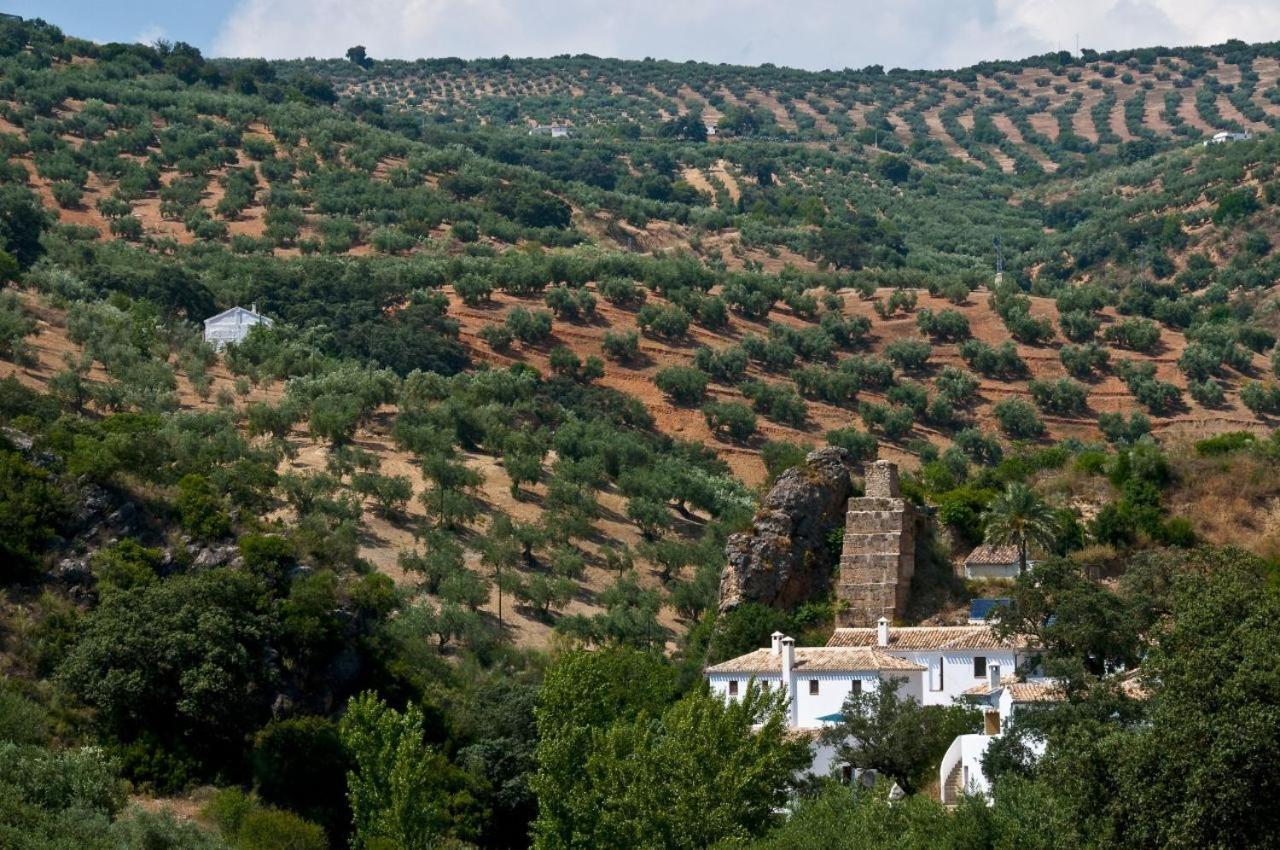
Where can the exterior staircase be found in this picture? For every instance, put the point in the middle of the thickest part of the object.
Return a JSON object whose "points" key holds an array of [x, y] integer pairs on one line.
{"points": [[954, 786]]}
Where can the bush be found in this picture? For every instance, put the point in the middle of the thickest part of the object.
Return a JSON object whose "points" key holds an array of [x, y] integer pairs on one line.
{"points": [[497, 337], [776, 401], [859, 444], [730, 417], [684, 384], [1262, 399], [1082, 361], [1078, 326], [909, 355], [530, 327], [670, 321], [1208, 393], [1225, 444], [1135, 334], [946, 325], [1001, 362], [726, 365], [622, 346], [957, 386], [1121, 431], [201, 509], [1018, 419], [1064, 396]]}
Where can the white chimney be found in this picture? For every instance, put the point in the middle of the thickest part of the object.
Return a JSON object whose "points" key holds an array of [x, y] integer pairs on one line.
{"points": [[788, 685], [993, 675], [882, 632], [777, 643]]}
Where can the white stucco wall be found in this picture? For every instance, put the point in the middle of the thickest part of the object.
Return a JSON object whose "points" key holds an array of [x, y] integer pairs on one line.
{"points": [[957, 670], [833, 689]]}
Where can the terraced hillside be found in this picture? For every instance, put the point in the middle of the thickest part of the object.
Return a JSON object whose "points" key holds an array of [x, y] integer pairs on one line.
{"points": [[1037, 114]]}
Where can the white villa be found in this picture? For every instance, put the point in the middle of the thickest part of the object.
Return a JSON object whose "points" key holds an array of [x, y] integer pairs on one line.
{"points": [[955, 657], [937, 664], [232, 325]]}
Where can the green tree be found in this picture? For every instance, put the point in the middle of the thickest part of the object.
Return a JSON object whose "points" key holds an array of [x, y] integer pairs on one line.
{"points": [[897, 735], [183, 663], [402, 793], [1019, 517]]}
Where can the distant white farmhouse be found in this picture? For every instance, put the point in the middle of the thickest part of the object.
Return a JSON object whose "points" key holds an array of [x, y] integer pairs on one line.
{"points": [[1224, 136], [989, 561], [555, 131], [232, 325]]}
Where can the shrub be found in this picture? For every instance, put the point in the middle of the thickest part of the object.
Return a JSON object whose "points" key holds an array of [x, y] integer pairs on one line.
{"points": [[622, 346], [1121, 431], [1078, 326], [726, 365], [859, 444], [730, 417], [1018, 419], [909, 355], [776, 401], [1224, 444], [497, 337], [948, 325], [1063, 396], [1082, 361], [1262, 399], [1207, 393], [1135, 334], [669, 321], [957, 386], [684, 384], [530, 327], [1002, 362]]}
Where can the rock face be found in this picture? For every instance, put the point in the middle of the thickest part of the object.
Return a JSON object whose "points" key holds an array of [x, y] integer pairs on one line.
{"points": [[785, 559]]}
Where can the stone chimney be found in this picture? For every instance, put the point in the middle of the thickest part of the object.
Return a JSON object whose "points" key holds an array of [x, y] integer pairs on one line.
{"points": [[777, 644], [882, 632], [993, 675], [788, 685], [877, 559]]}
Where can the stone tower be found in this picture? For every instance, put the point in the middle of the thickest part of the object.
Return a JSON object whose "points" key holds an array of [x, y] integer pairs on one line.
{"points": [[879, 554]]}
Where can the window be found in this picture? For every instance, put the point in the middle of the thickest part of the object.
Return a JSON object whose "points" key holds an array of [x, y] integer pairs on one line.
{"points": [[733, 687], [856, 686], [813, 687], [979, 667]]}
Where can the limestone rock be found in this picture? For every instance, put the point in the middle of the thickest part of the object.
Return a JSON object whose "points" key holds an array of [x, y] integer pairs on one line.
{"points": [[785, 559]]}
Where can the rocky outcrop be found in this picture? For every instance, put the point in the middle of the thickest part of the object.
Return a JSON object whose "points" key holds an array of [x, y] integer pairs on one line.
{"points": [[786, 559]]}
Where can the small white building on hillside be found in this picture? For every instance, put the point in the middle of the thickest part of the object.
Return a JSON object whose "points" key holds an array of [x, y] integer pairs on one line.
{"points": [[231, 326], [999, 699], [955, 658], [1223, 136], [987, 561]]}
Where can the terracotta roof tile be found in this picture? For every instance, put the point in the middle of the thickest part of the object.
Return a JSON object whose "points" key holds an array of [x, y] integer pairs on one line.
{"points": [[926, 638], [817, 659], [987, 555], [1038, 690]]}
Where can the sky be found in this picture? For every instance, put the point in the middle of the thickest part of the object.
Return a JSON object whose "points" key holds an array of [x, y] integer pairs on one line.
{"points": [[813, 34]]}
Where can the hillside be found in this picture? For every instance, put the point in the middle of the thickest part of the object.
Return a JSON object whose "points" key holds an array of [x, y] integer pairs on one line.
{"points": [[434, 558]]}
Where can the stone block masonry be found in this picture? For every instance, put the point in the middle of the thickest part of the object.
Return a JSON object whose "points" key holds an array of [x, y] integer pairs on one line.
{"points": [[879, 553]]}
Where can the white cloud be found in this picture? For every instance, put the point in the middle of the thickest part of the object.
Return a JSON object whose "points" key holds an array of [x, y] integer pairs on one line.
{"points": [[801, 33]]}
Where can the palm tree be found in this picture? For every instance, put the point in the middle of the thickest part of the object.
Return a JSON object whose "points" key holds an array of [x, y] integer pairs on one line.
{"points": [[1018, 517]]}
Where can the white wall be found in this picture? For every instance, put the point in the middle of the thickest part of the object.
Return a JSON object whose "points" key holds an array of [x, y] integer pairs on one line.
{"points": [[957, 670], [231, 329], [833, 689], [991, 570]]}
